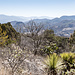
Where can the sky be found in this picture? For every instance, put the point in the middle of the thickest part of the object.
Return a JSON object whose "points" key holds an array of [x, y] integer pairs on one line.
{"points": [[28, 8]]}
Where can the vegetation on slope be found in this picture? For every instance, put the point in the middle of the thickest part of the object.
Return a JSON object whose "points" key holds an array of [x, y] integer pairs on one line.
{"points": [[9, 32], [3, 37], [45, 44]]}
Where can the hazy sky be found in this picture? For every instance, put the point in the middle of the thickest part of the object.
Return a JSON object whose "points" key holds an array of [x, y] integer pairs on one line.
{"points": [[27, 8]]}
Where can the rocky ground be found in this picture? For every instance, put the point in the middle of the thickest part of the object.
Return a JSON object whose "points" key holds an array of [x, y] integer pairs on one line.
{"points": [[32, 65]]}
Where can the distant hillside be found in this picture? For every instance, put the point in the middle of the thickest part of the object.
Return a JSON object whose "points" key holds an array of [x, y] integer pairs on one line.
{"points": [[6, 18], [18, 26], [63, 26], [67, 17], [57, 20]]}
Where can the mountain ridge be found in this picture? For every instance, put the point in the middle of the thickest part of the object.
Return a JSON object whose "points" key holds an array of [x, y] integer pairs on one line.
{"points": [[63, 26], [6, 18]]}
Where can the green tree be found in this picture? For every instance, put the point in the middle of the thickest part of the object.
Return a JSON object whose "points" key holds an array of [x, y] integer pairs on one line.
{"points": [[49, 35]]}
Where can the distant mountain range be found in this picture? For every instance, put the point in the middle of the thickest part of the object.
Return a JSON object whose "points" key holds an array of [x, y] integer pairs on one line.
{"points": [[63, 26], [5, 18]]}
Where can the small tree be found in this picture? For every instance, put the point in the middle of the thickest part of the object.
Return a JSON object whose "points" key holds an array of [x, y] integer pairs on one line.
{"points": [[49, 35], [33, 31]]}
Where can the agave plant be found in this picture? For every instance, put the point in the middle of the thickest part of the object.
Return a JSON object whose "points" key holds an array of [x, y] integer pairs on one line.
{"points": [[53, 64], [69, 59]]}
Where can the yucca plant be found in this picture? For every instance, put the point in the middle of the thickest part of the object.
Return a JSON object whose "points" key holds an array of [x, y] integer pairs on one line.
{"points": [[68, 57], [69, 60], [53, 64]]}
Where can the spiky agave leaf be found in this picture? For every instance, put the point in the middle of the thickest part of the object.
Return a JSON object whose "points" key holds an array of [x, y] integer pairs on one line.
{"points": [[54, 63]]}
